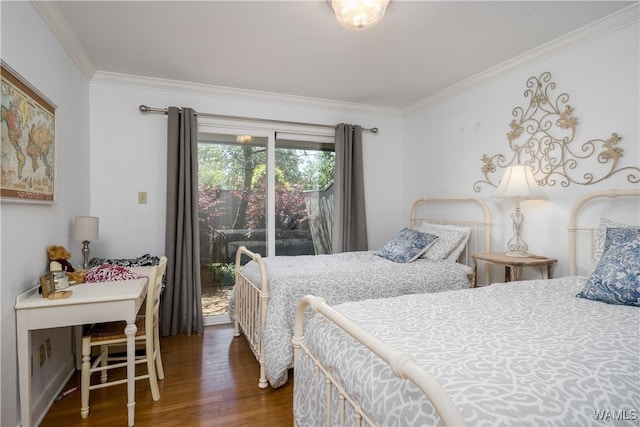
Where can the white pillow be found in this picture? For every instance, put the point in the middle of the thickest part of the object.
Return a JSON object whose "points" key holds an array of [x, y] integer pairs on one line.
{"points": [[451, 240], [457, 251]]}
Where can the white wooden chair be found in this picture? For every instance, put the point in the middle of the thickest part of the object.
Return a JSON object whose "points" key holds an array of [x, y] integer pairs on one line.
{"points": [[109, 334]]}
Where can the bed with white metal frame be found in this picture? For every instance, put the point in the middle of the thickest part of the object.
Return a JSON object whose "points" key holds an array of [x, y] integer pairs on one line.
{"points": [[402, 364], [251, 297]]}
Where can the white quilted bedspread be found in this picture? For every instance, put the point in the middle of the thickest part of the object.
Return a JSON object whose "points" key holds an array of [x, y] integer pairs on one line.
{"points": [[518, 354], [349, 276]]}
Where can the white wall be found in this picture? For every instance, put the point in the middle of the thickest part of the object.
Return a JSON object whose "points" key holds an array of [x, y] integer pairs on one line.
{"points": [[128, 154], [30, 48], [107, 156], [444, 142]]}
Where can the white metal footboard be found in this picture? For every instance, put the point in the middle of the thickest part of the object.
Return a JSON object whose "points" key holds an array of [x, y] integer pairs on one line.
{"points": [[402, 364], [250, 308]]}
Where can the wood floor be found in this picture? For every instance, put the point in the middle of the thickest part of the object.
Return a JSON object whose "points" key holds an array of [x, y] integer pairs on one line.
{"points": [[210, 380]]}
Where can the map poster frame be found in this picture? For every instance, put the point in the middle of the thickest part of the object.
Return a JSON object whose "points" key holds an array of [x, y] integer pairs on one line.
{"points": [[28, 145]]}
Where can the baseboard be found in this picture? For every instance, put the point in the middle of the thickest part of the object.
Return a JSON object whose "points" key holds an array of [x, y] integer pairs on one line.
{"points": [[42, 405], [216, 320]]}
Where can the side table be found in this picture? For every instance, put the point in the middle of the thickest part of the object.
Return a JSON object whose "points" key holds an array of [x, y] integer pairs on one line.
{"points": [[511, 265]]}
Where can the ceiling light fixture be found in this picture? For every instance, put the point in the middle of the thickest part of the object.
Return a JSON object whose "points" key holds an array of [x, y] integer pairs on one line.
{"points": [[244, 139], [359, 14]]}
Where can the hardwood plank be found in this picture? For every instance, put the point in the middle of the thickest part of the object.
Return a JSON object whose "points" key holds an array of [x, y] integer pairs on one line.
{"points": [[210, 380]]}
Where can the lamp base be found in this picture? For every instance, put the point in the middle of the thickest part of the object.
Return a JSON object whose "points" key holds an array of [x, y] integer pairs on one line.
{"points": [[517, 254], [85, 254], [517, 246]]}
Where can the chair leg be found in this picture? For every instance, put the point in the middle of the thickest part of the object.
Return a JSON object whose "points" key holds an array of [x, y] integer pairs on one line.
{"points": [[85, 377], [158, 357], [151, 369], [104, 361]]}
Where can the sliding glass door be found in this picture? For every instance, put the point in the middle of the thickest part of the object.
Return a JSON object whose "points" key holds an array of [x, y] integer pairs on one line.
{"points": [[271, 194], [228, 211], [303, 196]]}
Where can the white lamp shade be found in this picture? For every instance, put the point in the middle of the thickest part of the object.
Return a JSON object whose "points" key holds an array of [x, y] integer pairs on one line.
{"points": [[85, 228], [359, 14], [518, 182]]}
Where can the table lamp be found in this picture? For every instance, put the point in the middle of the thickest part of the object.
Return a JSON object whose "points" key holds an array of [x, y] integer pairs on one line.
{"points": [[85, 229], [518, 183]]}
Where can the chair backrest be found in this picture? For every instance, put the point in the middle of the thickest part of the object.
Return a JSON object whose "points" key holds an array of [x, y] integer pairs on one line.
{"points": [[154, 289]]}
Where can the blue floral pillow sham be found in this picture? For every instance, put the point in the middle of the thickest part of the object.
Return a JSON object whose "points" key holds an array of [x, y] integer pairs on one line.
{"points": [[407, 245], [616, 236], [601, 236], [616, 277]]}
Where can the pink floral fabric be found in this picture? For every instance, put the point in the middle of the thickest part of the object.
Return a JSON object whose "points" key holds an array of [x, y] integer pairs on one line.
{"points": [[111, 273]]}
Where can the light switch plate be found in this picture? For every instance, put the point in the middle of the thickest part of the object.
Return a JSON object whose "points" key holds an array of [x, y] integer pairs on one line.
{"points": [[142, 197]]}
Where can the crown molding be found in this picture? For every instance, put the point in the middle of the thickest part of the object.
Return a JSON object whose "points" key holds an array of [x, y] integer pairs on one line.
{"points": [[609, 24], [60, 27], [223, 91], [52, 16]]}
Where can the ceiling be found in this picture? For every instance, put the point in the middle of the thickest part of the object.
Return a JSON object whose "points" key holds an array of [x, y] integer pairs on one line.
{"points": [[298, 48]]}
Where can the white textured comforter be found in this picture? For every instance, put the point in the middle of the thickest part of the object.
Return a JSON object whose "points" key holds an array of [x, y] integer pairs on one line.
{"points": [[517, 354], [349, 276]]}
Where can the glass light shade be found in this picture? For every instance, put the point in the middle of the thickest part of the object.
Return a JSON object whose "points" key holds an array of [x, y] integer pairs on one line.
{"points": [[86, 228], [243, 139], [359, 14], [518, 182]]}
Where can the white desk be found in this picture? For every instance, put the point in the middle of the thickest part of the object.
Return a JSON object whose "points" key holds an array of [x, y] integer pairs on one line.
{"points": [[89, 303]]}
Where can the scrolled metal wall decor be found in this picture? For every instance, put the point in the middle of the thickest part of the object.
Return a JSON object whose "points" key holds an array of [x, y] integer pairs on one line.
{"points": [[549, 127]]}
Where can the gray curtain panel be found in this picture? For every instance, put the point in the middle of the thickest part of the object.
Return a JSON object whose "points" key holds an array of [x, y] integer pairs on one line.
{"points": [[350, 221], [181, 299]]}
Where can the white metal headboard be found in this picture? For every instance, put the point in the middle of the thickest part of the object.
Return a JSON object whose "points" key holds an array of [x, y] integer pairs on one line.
{"points": [[573, 218], [480, 224]]}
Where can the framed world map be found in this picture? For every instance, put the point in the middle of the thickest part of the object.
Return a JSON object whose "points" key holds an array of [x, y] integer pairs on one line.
{"points": [[27, 155]]}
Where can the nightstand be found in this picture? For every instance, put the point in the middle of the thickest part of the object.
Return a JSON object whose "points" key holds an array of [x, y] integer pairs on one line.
{"points": [[512, 265]]}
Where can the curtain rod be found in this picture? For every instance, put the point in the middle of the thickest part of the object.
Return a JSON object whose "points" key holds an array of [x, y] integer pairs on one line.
{"points": [[145, 109]]}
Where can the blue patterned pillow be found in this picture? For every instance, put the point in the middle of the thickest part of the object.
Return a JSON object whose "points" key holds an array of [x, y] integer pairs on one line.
{"points": [[407, 245], [616, 278], [618, 235], [601, 236]]}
